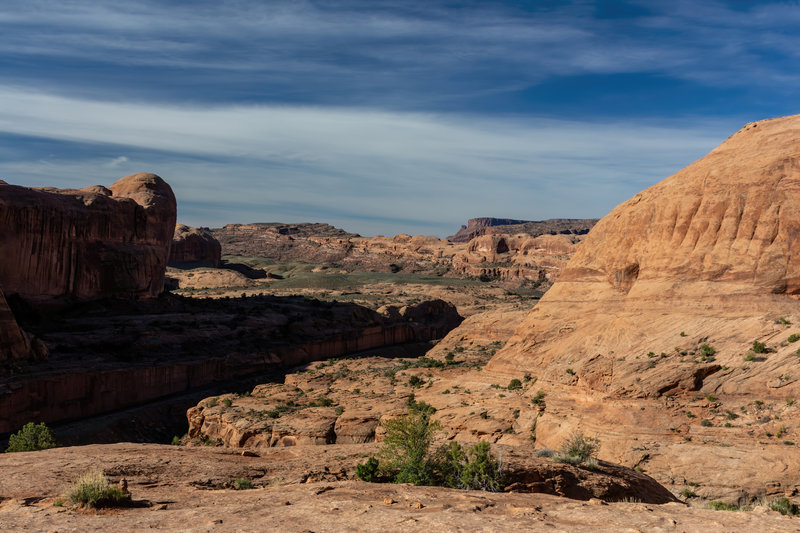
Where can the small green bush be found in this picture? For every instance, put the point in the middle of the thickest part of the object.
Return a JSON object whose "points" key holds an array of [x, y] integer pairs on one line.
{"points": [[722, 506], [416, 381], [368, 471], [707, 350], [794, 337], [514, 384], [92, 489], [30, 438], [577, 449], [405, 455], [473, 469], [538, 399], [227, 402], [688, 493], [241, 483], [784, 506], [759, 347]]}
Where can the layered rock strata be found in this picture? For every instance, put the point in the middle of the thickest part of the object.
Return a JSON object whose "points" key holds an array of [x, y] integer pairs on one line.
{"points": [[110, 355]]}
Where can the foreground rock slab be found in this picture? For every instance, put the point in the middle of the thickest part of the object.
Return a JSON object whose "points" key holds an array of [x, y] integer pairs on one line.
{"points": [[180, 489]]}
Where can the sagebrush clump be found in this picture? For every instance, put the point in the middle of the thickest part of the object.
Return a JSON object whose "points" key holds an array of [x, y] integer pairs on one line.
{"points": [[578, 450], [93, 489]]}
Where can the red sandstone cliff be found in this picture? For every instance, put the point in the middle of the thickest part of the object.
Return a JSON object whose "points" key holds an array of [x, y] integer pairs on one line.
{"points": [[89, 242]]}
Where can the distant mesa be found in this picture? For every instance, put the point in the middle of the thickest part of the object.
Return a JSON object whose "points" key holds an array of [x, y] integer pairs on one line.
{"points": [[477, 227], [709, 255]]}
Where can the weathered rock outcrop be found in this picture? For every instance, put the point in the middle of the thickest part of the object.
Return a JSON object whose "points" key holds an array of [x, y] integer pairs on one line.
{"points": [[89, 242], [516, 257], [14, 343], [707, 256], [477, 227], [194, 247]]}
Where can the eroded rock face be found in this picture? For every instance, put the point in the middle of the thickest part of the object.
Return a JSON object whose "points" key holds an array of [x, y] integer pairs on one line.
{"points": [[707, 256], [194, 247], [516, 257], [86, 243], [14, 343]]}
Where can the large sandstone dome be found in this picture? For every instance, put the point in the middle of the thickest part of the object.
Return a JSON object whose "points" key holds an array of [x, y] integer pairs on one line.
{"points": [[86, 243], [709, 256]]}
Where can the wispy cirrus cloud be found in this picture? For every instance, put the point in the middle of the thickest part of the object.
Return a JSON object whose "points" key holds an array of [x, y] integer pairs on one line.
{"points": [[370, 113], [296, 163], [405, 56]]}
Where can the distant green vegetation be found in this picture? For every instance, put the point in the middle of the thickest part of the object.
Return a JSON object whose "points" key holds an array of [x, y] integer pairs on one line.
{"points": [[301, 275]]}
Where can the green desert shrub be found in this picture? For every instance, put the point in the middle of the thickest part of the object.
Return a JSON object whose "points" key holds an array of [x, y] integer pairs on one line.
{"points": [[92, 489], [794, 337], [759, 347], [707, 350], [472, 468], [406, 456], [241, 483], [784, 506], [577, 450], [722, 506], [368, 471], [30, 438], [514, 384]]}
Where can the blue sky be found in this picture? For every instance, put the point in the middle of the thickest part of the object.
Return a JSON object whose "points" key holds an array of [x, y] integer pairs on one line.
{"points": [[385, 117]]}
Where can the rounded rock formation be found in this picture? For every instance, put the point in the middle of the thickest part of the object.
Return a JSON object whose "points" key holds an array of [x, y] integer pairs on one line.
{"points": [[193, 247], [709, 255], [87, 243]]}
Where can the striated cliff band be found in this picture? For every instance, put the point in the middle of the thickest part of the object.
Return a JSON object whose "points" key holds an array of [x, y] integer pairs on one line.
{"points": [[86, 243]]}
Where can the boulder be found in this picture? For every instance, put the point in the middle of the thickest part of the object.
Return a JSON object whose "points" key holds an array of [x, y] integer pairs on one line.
{"points": [[194, 247]]}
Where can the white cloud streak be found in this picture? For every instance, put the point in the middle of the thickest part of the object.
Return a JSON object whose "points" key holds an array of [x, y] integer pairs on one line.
{"points": [[287, 45], [358, 166]]}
